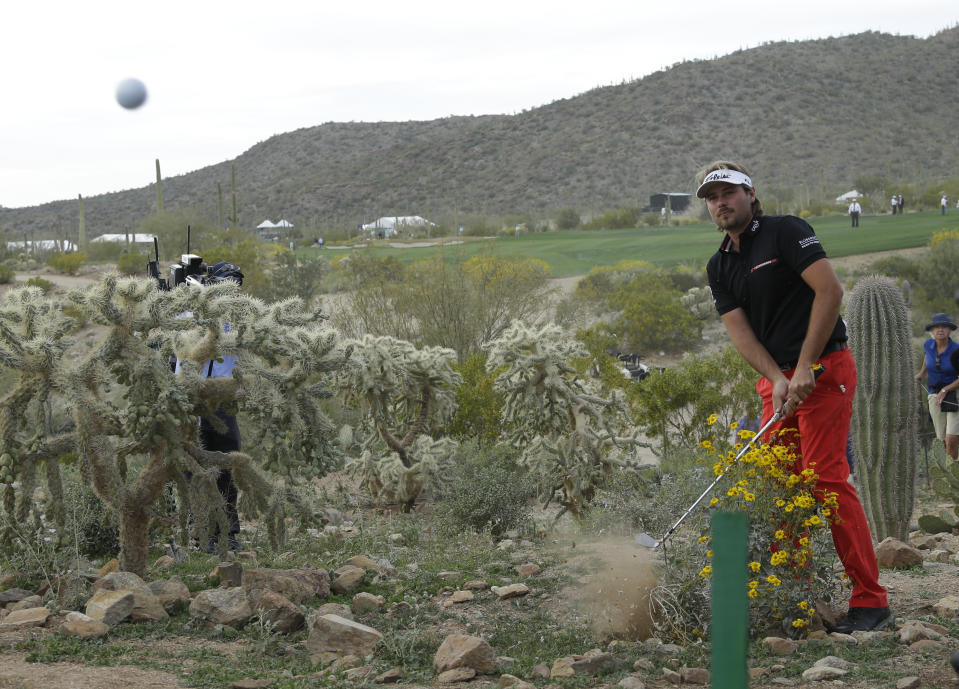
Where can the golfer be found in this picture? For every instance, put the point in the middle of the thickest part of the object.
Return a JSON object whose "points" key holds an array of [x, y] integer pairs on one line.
{"points": [[779, 299], [940, 363]]}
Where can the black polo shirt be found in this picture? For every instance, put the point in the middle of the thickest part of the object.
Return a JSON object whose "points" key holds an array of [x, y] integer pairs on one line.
{"points": [[764, 280]]}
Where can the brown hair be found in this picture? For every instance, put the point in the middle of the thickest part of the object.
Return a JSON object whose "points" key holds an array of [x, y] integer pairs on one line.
{"points": [[757, 207]]}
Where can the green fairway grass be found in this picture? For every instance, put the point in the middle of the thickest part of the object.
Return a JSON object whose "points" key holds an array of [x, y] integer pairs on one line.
{"points": [[576, 252]]}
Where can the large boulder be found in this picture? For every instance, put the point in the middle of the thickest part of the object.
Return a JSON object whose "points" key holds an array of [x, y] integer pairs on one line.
{"points": [[895, 554], [111, 607], [282, 615], [228, 607], [340, 636], [297, 585], [462, 650]]}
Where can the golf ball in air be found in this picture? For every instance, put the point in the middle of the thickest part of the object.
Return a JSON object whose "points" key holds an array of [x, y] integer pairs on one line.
{"points": [[131, 93]]}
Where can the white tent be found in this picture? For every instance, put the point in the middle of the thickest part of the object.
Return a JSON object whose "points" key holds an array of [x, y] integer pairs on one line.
{"points": [[44, 245], [136, 238], [284, 223], [393, 222], [848, 196], [265, 225]]}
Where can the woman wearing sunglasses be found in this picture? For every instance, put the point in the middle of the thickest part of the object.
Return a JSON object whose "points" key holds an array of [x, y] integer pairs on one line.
{"points": [[941, 363]]}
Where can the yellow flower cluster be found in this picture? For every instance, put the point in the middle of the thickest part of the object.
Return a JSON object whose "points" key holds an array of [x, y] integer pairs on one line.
{"points": [[785, 511]]}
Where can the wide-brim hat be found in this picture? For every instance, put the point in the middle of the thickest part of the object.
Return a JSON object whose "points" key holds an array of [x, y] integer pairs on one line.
{"points": [[941, 319]]}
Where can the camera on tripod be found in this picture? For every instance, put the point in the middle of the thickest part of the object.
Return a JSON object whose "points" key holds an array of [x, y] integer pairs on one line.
{"points": [[191, 269]]}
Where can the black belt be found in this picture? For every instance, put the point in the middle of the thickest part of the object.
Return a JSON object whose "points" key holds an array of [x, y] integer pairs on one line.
{"points": [[833, 346]]}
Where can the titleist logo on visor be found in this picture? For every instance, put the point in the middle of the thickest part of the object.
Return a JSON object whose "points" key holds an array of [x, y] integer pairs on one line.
{"points": [[724, 175]]}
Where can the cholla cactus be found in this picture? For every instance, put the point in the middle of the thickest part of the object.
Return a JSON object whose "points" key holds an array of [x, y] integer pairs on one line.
{"points": [[404, 391], [884, 411], [569, 435], [699, 302], [126, 406]]}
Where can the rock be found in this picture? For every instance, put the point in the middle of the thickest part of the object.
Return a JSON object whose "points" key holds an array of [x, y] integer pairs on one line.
{"points": [[297, 585], [25, 619], [228, 574], [347, 579], [947, 607], [833, 661], [781, 646], [694, 675], [25, 604], [283, 616], [251, 684], [540, 671], [461, 650], [394, 674], [527, 570], [591, 663], [83, 626], [14, 595], [830, 616], [146, 606], [448, 575], [911, 682], [916, 631], [177, 552], [475, 585], [357, 674], [334, 609], [672, 676], [172, 593], [344, 663], [644, 664], [364, 562], [397, 539], [458, 597], [111, 607], [926, 645], [366, 602], [513, 682], [511, 591], [631, 682], [111, 566], [895, 554], [924, 541], [457, 674], [838, 638], [817, 673], [335, 634], [163, 562], [228, 607]]}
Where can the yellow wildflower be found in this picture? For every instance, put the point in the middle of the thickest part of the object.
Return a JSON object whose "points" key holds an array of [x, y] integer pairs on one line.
{"points": [[753, 593], [709, 553], [706, 571], [799, 623], [778, 558], [712, 419], [714, 502], [780, 534], [803, 605], [753, 584], [749, 497], [774, 580], [755, 566], [702, 539]]}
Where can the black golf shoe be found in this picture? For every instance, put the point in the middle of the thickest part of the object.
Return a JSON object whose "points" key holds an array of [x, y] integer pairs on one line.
{"points": [[865, 620]]}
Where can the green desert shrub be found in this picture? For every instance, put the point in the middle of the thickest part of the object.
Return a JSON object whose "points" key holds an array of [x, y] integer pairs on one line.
{"points": [[69, 263], [489, 492], [42, 283], [7, 274], [478, 405], [132, 263]]}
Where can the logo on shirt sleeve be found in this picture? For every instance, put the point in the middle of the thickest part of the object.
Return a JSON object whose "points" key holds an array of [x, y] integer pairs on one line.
{"points": [[807, 242]]}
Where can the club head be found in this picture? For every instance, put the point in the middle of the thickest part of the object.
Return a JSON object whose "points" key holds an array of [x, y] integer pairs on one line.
{"points": [[647, 541]]}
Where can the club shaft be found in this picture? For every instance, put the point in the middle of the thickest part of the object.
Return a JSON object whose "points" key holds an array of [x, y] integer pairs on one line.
{"points": [[775, 417]]}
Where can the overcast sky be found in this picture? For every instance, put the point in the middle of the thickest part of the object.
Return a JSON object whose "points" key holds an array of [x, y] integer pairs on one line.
{"points": [[223, 76]]}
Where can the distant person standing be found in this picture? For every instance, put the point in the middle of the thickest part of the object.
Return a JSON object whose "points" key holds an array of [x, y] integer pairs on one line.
{"points": [[854, 210], [893, 204], [899, 201], [943, 202]]}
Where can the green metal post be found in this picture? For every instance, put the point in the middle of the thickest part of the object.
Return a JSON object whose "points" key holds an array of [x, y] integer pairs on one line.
{"points": [[730, 613]]}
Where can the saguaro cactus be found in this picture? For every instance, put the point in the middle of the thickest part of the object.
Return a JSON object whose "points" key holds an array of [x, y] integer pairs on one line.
{"points": [[884, 413]]}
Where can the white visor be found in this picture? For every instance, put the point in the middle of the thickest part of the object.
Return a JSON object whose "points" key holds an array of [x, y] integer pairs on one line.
{"points": [[723, 175]]}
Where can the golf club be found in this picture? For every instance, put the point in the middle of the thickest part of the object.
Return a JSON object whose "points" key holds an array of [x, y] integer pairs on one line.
{"points": [[644, 539]]}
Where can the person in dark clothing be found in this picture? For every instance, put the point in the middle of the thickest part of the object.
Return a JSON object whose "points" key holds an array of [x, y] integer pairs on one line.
{"points": [[229, 440], [779, 298]]}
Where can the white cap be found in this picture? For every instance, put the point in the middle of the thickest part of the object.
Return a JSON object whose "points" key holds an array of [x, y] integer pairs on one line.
{"points": [[723, 175]]}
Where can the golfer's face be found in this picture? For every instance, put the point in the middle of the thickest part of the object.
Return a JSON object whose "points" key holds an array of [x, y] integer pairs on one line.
{"points": [[729, 205]]}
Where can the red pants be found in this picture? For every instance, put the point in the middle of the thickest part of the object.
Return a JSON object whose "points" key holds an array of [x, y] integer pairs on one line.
{"points": [[823, 424]]}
